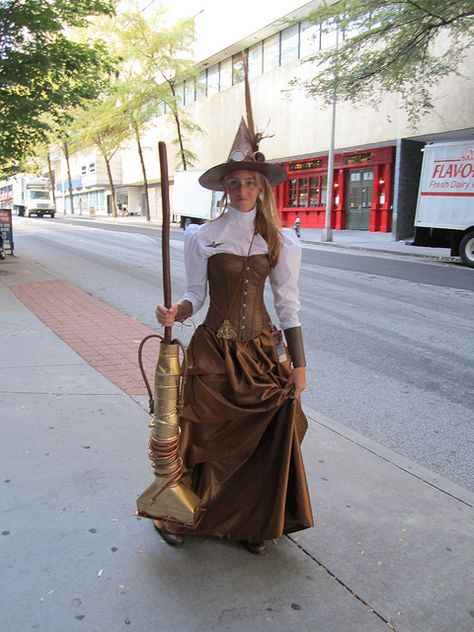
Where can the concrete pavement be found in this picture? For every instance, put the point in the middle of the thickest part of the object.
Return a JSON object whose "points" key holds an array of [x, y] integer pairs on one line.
{"points": [[393, 546]]}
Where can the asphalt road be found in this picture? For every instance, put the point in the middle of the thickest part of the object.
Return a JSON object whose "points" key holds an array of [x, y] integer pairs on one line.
{"points": [[389, 341]]}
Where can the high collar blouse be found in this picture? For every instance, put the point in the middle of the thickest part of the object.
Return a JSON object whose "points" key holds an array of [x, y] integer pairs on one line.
{"points": [[232, 233]]}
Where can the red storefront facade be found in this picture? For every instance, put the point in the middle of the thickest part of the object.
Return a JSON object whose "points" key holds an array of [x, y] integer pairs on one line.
{"points": [[362, 191]]}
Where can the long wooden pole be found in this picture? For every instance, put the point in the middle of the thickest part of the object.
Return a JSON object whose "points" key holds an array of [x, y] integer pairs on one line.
{"points": [[165, 233]]}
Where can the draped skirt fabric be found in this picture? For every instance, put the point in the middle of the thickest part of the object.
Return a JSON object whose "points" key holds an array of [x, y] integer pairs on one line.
{"points": [[241, 436]]}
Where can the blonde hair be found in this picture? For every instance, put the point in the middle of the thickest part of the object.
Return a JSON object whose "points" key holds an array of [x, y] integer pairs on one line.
{"points": [[267, 223]]}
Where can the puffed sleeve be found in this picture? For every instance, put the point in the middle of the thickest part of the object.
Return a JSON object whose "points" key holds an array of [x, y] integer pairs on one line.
{"points": [[284, 280], [195, 265]]}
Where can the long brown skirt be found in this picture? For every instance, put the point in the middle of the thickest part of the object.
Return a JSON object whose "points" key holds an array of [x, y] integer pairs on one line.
{"points": [[241, 436]]}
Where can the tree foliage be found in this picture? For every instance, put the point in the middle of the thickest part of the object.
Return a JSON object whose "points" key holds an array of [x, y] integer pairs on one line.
{"points": [[161, 57], [393, 47], [43, 70]]}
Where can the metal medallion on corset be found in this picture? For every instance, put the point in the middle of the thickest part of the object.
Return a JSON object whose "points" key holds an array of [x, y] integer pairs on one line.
{"points": [[226, 331]]}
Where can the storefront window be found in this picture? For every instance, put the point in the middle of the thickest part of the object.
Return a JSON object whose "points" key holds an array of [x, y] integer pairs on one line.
{"points": [[324, 189], [292, 192], [314, 191], [307, 192], [303, 192]]}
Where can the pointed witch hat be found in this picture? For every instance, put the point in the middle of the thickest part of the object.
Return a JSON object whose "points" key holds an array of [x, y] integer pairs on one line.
{"points": [[244, 154]]}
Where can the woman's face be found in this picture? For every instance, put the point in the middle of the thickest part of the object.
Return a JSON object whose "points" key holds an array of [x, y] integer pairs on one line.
{"points": [[243, 189]]}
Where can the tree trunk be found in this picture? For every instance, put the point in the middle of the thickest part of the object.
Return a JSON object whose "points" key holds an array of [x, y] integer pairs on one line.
{"points": [[145, 180], [69, 179], [175, 111], [51, 178], [111, 184]]}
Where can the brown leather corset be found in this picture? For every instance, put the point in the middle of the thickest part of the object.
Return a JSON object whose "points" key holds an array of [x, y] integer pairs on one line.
{"points": [[237, 295]]}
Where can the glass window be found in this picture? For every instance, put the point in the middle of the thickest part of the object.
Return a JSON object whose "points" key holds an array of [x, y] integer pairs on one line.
{"points": [[225, 74], [310, 38], [289, 44], [189, 91], [213, 79], [92, 167], [255, 59], [83, 170], [328, 35], [237, 69], [292, 192], [303, 192], [160, 108], [201, 85], [324, 189], [271, 52], [314, 191]]}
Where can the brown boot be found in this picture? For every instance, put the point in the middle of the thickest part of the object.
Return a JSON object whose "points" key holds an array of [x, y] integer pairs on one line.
{"points": [[173, 539], [257, 548]]}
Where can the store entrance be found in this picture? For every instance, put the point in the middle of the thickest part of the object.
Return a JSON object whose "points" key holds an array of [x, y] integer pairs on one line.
{"points": [[359, 198]]}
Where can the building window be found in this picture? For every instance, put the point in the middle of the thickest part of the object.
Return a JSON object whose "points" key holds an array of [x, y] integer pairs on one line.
{"points": [[289, 44], [225, 74], [328, 35], [84, 170], [292, 192], [201, 85], [213, 79], [271, 52], [310, 38], [92, 167], [237, 68], [307, 192], [255, 60], [189, 91]]}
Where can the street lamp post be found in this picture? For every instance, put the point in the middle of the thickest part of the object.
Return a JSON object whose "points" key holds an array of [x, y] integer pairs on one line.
{"points": [[326, 234]]}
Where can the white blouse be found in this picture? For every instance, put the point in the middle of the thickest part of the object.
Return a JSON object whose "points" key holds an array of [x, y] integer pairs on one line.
{"points": [[232, 233]]}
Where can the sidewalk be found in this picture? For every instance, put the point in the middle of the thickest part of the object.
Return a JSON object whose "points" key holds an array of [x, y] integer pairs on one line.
{"points": [[392, 548], [356, 240]]}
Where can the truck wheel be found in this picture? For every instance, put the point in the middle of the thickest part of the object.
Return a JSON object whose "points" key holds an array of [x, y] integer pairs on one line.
{"points": [[187, 222], [52, 215], [466, 249]]}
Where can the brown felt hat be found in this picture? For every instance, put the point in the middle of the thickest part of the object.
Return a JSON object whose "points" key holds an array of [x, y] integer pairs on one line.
{"points": [[244, 156]]}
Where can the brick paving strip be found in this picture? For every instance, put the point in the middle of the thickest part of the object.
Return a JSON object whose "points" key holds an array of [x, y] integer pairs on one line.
{"points": [[104, 337]]}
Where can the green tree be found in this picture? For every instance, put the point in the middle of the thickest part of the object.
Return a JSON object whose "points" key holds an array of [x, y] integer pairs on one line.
{"points": [[102, 126], [394, 47], [43, 70], [163, 57]]}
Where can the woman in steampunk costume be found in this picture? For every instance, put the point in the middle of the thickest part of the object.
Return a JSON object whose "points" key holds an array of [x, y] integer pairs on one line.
{"points": [[242, 422]]}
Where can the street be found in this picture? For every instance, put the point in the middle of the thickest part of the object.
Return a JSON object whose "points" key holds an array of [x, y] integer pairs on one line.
{"points": [[389, 343]]}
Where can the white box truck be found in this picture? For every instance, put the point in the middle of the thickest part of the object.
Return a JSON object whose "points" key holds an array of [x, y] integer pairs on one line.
{"points": [[192, 202], [32, 196], [445, 208]]}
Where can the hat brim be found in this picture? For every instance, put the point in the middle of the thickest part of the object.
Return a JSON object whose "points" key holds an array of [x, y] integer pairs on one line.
{"points": [[213, 178]]}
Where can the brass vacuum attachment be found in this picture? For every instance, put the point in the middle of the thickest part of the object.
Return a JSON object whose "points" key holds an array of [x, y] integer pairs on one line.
{"points": [[167, 498]]}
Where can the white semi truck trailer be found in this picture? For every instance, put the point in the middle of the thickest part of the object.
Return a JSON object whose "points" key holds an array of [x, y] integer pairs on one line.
{"points": [[191, 201], [445, 208]]}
